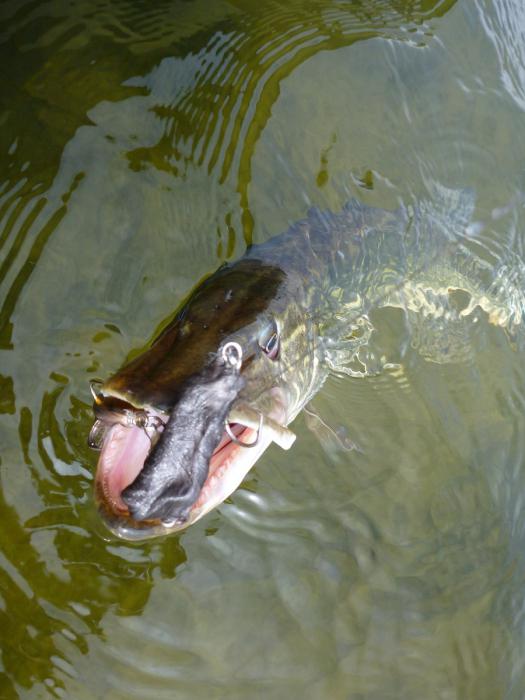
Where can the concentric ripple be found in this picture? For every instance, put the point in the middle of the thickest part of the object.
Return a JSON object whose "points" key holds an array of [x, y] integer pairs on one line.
{"points": [[142, 145]]}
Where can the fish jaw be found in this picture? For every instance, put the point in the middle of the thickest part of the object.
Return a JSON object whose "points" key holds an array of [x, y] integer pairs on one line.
{"points": [[227, 471], [125, 450]]}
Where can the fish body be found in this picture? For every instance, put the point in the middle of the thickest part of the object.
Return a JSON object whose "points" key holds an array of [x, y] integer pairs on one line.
{"points": [[259, 337]]}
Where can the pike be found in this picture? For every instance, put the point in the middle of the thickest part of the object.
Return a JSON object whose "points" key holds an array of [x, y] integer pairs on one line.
{"points": [[181, 425]]}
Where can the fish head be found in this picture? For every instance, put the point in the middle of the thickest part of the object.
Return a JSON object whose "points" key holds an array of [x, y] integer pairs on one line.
{"points": [[180, 426]]}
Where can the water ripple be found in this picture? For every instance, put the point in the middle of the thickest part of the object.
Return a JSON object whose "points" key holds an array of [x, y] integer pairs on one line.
{"points": [[129, 133], [504, 23]]}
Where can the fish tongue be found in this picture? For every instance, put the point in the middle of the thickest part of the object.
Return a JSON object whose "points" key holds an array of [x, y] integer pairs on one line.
{"points": [[121, 459]]}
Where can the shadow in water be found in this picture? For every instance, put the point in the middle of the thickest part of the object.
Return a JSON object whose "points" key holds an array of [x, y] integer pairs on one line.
{"points": [[58, 579]]}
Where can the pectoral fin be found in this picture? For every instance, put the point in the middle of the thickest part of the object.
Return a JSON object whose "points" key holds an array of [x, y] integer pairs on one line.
{"points": [[332, 439]]}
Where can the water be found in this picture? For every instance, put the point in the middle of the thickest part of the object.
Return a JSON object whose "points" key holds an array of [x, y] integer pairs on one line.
{"points": [[143, 144]]}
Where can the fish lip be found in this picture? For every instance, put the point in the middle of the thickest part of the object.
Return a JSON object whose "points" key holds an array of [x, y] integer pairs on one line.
{"points": [[116, 513]]}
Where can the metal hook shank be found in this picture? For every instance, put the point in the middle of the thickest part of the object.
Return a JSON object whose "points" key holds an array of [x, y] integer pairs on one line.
{"points": [[234, 439]]}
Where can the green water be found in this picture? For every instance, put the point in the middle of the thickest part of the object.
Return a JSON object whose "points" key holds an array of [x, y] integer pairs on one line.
{"points": [[142, 144]]}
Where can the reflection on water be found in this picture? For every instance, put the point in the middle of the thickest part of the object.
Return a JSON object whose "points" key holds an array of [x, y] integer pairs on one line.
{"points": [[505, 27], [142, 145]]}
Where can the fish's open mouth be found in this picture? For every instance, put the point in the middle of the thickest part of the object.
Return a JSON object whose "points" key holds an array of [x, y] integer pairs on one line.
{"points": [[125, 449]]}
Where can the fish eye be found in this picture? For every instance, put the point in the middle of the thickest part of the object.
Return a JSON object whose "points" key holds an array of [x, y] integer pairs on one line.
{"points": [[270, 343]]}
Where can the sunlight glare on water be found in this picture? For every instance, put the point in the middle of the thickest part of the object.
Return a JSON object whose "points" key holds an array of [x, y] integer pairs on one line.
{"points": [[143, 145]]}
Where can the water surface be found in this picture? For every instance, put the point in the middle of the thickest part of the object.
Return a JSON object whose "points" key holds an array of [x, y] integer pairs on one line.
{"points": [[142, 145]]}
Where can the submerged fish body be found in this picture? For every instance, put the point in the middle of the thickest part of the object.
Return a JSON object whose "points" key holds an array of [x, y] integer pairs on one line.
{"points": [[182, 424]]}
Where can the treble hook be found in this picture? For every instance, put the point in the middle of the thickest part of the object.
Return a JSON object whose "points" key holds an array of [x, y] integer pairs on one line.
{"points": [[151, 423], [235, 440]]}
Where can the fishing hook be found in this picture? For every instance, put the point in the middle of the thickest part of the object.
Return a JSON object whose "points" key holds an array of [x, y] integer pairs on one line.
{"points": [[128, 418], [144, 421], [235, 440], [151, 423]]}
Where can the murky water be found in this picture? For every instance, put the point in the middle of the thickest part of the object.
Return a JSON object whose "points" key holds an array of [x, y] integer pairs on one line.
{"points": [[144, 143]]}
